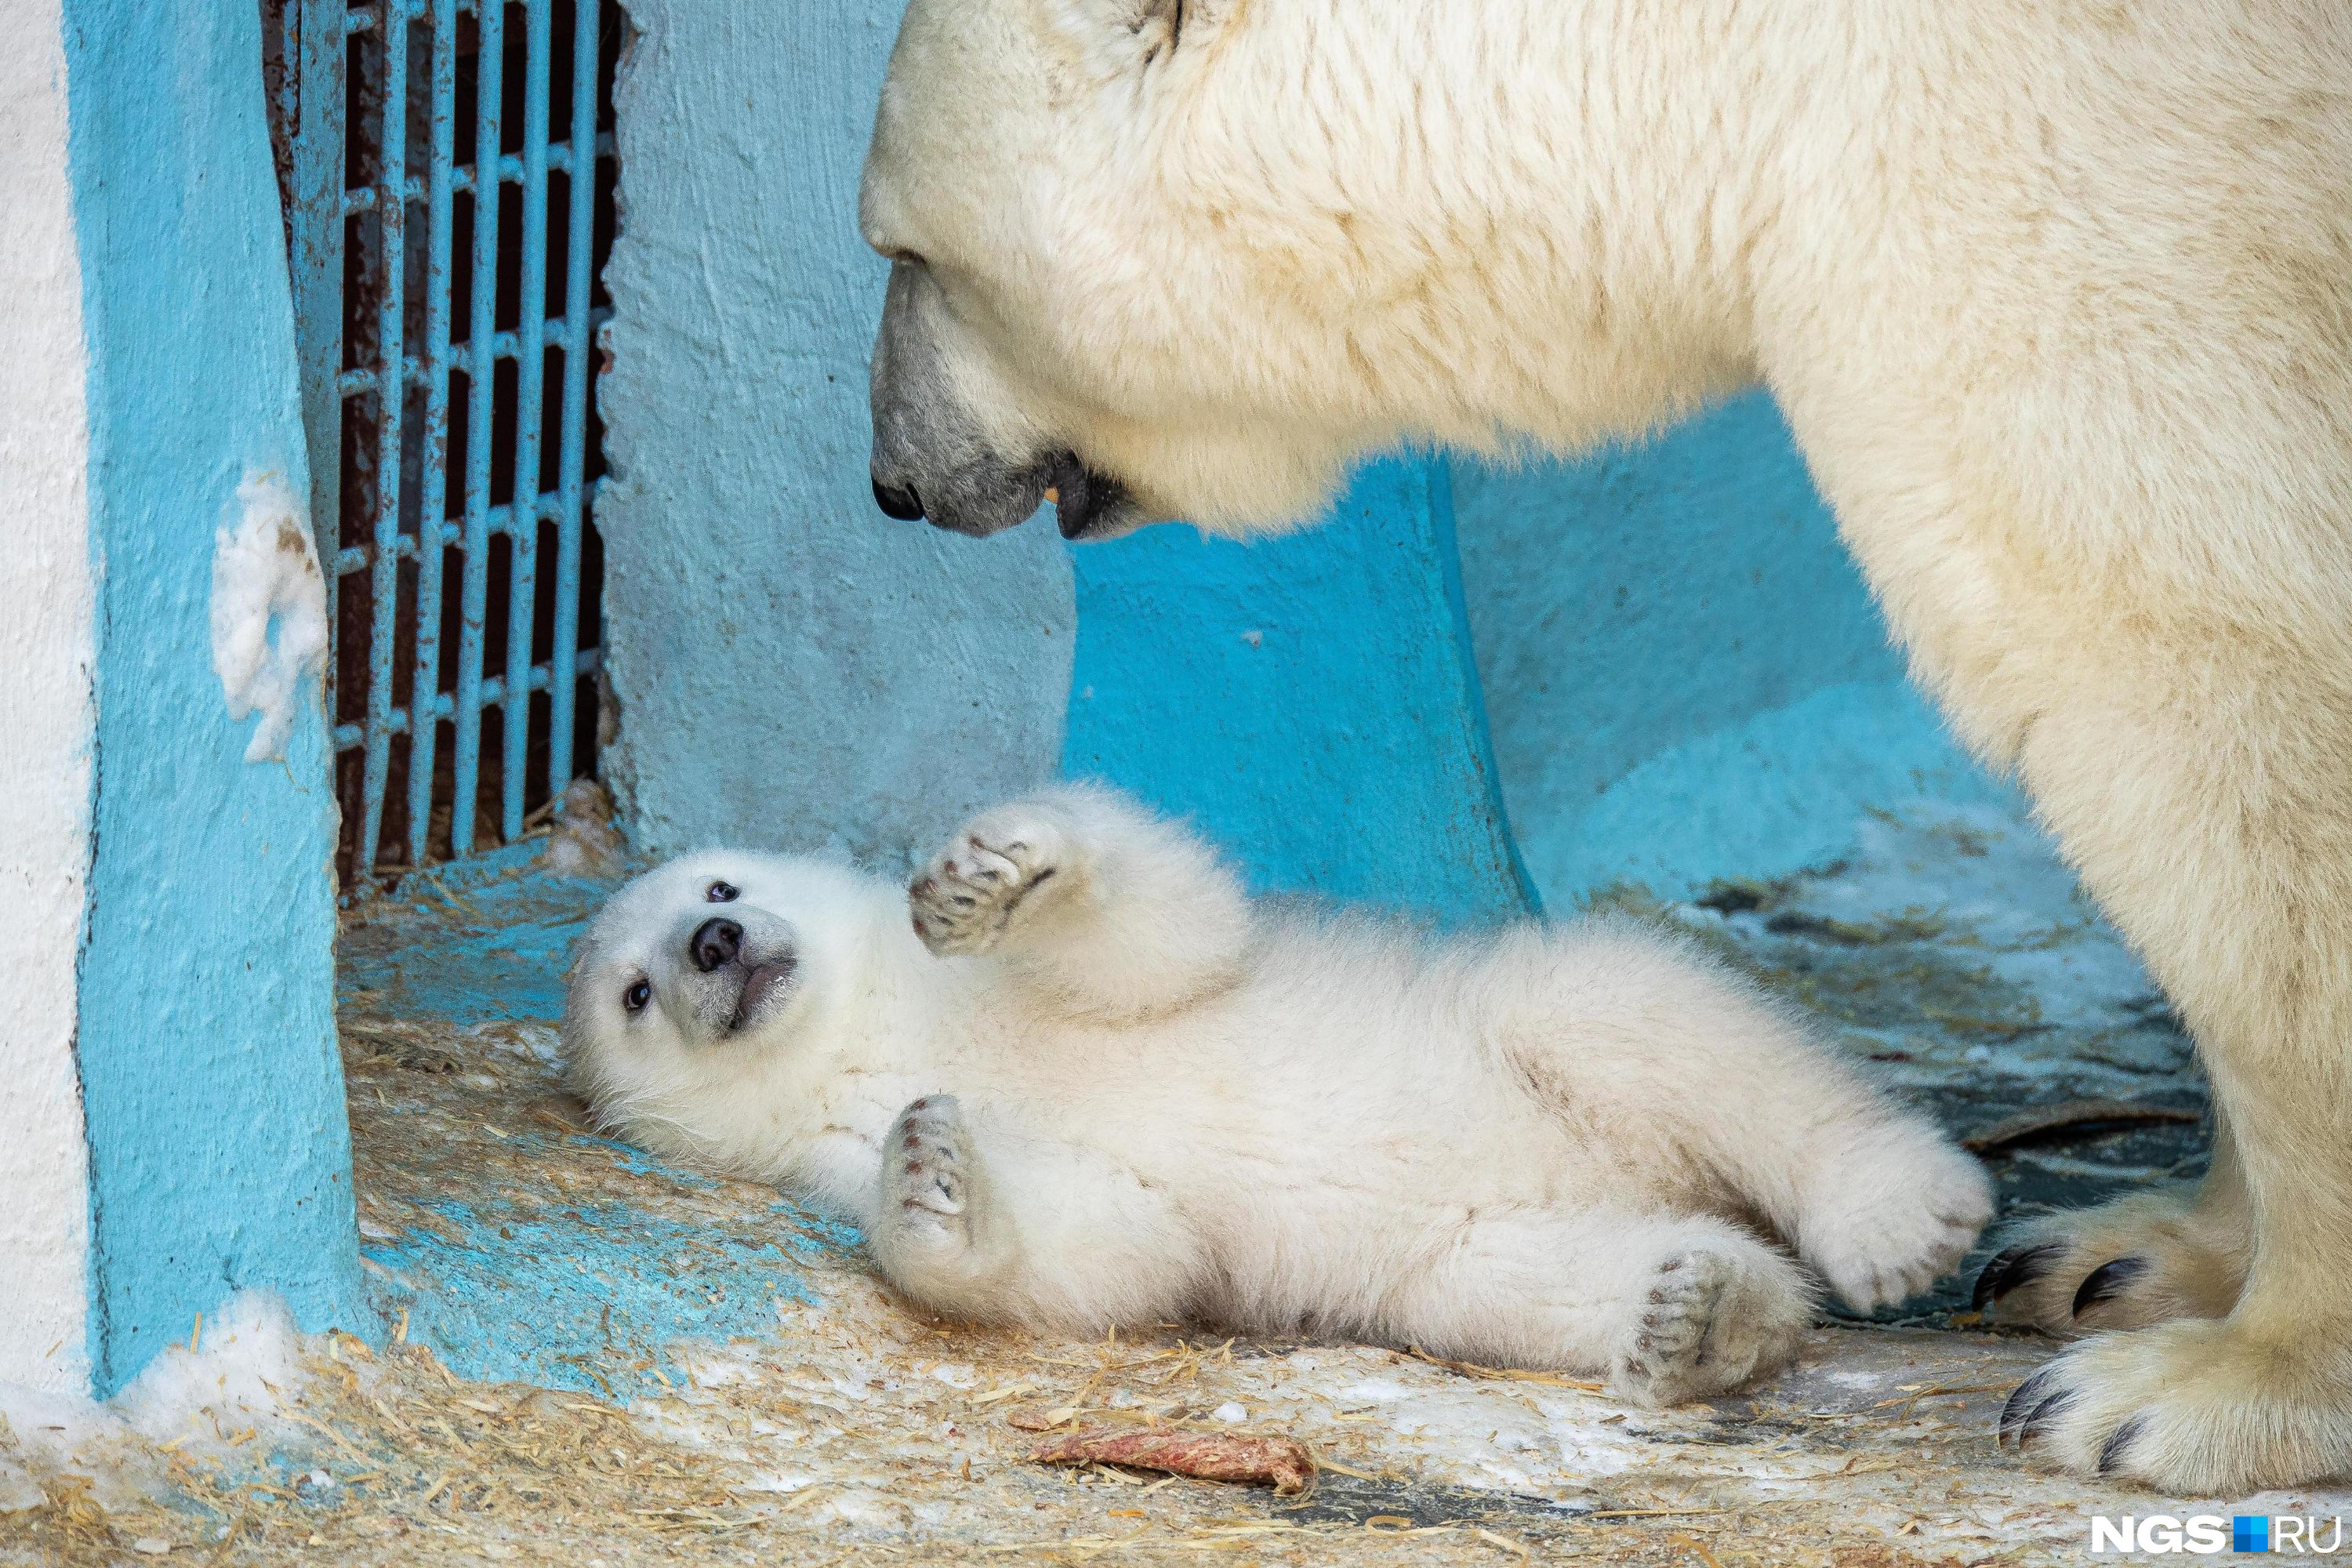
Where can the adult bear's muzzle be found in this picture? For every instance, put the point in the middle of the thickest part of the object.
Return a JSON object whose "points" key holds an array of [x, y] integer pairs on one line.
{"points": [[966, 470], [1087, 505]]}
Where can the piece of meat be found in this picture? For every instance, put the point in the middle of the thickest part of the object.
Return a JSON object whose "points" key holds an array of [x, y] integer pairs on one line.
{"points": [[1209, 1455]]}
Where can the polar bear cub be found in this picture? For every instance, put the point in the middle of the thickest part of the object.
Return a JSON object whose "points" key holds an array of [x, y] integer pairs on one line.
{"points": [[1091, 1083]]}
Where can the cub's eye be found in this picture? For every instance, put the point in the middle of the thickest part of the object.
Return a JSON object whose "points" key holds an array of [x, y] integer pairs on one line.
{"points": [[722, 892], [635, 997]]}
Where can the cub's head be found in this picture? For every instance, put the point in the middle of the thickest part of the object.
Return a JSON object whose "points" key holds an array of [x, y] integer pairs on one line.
{"points": [[1124, 271], [701, 993]]}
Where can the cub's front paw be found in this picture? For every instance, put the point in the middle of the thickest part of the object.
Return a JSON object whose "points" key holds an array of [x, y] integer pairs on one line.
{"points": [[1900, 1217], [1710, 1321], [996, 864]]}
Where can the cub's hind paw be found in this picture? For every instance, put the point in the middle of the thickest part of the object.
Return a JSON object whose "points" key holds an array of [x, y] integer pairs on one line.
{"points": [[1711, 1320], [1903, 1216], [968, 897], [926, 1177]]}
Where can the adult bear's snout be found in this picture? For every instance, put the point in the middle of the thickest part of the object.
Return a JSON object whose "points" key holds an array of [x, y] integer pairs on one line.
{"points": [[904, 503]]}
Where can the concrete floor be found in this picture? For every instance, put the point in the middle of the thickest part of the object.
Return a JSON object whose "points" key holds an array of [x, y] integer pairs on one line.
{"points": [[590, 1357]]}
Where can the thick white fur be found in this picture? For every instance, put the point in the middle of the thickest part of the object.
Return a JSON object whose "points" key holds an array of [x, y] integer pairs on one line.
{"points": [[2057, 297], [1096, 1085]]}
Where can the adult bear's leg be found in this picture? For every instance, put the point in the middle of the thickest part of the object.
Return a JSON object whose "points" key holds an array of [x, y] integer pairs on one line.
{"points": [[2185, 728]]}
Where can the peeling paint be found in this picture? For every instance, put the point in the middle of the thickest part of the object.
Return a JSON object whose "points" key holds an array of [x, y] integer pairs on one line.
{"points": [[266, 578]]}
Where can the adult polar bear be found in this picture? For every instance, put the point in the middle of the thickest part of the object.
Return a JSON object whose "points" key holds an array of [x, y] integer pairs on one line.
{"points": [[2057, 297]]}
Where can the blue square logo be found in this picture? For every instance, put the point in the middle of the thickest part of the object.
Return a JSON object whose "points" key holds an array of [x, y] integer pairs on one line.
{"points": [[2249, 1532]]}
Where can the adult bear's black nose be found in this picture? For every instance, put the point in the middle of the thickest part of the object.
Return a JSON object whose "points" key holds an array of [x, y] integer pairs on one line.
{"points": [[906, 505], [715, 943]]}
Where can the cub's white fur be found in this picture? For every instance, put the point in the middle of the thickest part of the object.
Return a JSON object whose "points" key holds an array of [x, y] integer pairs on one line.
{"points": [[2057, 298], [1095, 1084]]}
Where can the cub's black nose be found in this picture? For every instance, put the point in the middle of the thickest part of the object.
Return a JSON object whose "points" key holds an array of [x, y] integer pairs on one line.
{"points": [[906, 505], [715, 943]]}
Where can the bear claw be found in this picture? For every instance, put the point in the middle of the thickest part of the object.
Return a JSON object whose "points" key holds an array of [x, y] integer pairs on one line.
{"points": [[2108, 1281], [2013, 1268]]}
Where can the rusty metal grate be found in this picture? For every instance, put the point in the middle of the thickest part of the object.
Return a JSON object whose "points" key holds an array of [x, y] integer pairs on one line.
{"points": [[448, 178]]}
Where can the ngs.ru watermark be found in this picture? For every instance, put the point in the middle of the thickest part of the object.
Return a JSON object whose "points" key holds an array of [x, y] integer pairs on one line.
{"points": [[2209, 1534]]}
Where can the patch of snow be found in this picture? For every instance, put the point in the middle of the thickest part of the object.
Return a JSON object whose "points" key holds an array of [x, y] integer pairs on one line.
{"points": [[240, 1378], [18, 1490]]}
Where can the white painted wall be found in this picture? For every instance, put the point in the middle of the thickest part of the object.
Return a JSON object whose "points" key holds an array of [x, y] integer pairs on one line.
{"points": [[47, 656]]}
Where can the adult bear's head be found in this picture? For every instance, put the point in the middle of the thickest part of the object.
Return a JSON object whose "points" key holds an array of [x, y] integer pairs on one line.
{"points": [[1192, 257], [1054, 325]]}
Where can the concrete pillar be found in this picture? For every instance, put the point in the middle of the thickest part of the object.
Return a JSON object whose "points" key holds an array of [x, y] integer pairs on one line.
{"points": [[172, 1129]]}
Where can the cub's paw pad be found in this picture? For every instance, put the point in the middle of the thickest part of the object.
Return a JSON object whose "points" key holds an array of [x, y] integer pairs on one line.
{"points": [[927, 1170], [1901, 1225], [963, 900], [1709, 1320]]}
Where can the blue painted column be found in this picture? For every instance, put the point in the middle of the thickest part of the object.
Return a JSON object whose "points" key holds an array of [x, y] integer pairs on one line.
{"points": [[1310, 702], [220, 1153]]}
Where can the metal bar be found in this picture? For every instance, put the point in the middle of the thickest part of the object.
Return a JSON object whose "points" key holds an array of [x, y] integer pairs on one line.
{"points": [[530, 373], [434, 503], [360, 557], [490, 88], [503, 345], [317, 259], [392, 399], [288, 110], [579, 241], [494, 690]]}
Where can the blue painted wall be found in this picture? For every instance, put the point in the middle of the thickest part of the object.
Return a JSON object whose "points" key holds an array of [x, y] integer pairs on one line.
{"points": [[793, 670], [1309, 700], [1685, 675], [219, 1152]]}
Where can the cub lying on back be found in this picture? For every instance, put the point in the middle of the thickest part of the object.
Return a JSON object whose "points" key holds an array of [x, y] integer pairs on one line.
{"points": [[1096, 1085]]}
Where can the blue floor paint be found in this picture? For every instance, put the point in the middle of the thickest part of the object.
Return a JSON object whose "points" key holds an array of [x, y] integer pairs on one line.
{"points": [[527, 1250], [592, 1298], [1309, 701], [499, 947]]}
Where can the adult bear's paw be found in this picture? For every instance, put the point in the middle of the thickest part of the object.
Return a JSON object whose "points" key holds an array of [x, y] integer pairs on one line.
{"points": [[2144, 1259], [2195, 1408]]}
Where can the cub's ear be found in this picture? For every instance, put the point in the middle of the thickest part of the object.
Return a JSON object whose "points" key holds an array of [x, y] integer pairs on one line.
{"points": [[1147, 30]]}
